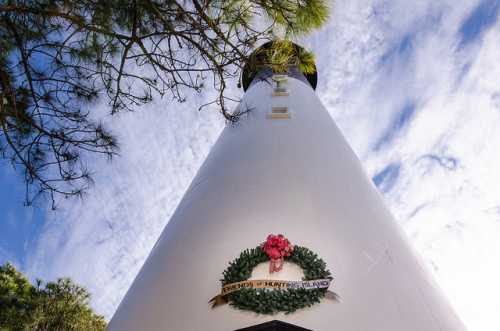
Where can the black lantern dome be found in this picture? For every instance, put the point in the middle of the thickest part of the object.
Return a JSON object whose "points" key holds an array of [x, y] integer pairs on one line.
{"points": [[252, 73]]}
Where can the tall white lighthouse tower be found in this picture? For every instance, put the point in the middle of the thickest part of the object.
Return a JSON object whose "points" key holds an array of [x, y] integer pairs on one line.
{"points": [[284, 168]]}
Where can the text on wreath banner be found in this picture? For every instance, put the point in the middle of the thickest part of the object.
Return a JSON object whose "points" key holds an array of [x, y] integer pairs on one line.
{"points": [[276, 284], [273, 284]]}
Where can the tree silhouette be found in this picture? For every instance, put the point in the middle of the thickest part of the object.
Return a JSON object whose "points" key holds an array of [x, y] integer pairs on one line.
{"points": [[58, 57]]}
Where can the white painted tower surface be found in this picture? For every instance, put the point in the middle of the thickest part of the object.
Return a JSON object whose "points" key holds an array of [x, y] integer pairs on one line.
{"points": [[290, 173]]}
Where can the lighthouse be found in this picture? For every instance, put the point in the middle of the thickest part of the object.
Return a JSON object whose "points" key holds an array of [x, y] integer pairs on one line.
{"points": [[341, 262]]}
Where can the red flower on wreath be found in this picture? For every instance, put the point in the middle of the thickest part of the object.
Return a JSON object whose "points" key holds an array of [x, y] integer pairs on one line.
{"points": [[277, 247]]}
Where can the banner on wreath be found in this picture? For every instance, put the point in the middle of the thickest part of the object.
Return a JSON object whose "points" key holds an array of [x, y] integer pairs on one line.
{"points": [[272, 284]]}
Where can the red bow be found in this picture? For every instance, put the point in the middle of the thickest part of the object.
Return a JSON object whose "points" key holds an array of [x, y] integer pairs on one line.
{"points": [[277, 248]]}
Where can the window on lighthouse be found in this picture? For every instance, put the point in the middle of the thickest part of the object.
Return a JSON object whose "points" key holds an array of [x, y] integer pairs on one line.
{"points": [[279, 112], [280, 83]]}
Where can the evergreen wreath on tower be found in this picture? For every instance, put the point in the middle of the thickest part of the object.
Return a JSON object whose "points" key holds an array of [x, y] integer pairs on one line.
{"points": [[269, 296]]}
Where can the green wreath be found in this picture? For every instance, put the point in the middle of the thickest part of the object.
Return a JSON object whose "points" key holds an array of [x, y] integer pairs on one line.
{"points": [[265, 301]]}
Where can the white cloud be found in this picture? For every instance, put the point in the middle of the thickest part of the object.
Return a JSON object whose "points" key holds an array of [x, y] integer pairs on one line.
{"points": [[444, 157], [390, 72]]}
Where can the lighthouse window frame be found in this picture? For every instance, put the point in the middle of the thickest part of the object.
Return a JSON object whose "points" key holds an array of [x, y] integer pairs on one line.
{"points": [[279, 112], [280, 85]]}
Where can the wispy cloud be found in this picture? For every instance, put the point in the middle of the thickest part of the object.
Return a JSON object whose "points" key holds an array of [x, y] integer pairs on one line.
{"points": [[424, 119]]}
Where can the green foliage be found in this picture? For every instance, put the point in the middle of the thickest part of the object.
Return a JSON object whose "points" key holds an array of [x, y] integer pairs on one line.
{"points": [[280, 55], [60, 305], [299, 16], [265, 301], [283, 53], [305, 61]]}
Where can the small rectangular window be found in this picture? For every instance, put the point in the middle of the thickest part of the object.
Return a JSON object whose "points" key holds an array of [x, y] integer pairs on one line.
{"points": [[279, 112], [280, 84]]}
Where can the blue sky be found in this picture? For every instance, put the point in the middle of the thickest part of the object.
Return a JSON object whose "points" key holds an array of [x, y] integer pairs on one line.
{"points": [[20, 225], [415, 88]]}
